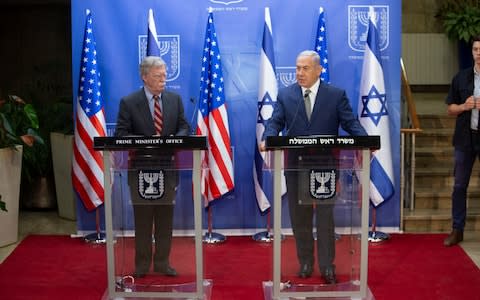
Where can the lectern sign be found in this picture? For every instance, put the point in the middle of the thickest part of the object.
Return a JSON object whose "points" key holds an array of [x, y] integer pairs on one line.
{"points": [[151, 184], [323, 183]]}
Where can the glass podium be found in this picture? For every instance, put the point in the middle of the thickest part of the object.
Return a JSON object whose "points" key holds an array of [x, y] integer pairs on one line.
{"points": [[328, 202], [142, 185]]}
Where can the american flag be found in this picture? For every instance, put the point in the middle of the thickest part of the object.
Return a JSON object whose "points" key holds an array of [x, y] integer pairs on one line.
{"points": [[87, 165], [321, 46], [373, 115], [212, 121]]}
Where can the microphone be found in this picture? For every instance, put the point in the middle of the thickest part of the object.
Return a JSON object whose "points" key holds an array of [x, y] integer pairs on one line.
{"points": [[294, 118], [192, 100]]}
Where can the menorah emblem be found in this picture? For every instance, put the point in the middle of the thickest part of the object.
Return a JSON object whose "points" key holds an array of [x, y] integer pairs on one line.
{"points": [[169, 51], [363, 17], [322, 183], [286, 76], [358, 16], [150, 178], [151, 184], [322, 178]]}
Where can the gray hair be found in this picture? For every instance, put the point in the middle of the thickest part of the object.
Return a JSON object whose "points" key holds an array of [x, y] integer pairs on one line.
{"points": [[313, 54], [150, 62]]}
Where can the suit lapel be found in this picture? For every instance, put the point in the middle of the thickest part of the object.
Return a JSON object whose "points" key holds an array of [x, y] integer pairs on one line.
{"points": [[144, 111], [300, 103], [318, 100]]}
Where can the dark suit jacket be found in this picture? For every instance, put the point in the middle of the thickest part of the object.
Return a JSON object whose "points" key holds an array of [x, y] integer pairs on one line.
{"points": [[135, 118], [330, 111], [460, 89]]}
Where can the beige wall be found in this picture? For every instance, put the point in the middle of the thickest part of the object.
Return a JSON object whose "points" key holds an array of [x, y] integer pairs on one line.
{"points": [[418, 16]]}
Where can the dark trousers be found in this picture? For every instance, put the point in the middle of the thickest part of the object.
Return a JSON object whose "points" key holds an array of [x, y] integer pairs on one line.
{"points": [[156, 216], [464, 161], [301, 218], [160, 216]]}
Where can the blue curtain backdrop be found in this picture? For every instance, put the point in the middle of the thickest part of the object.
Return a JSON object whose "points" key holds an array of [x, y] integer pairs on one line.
{"points": [[120, 28]]}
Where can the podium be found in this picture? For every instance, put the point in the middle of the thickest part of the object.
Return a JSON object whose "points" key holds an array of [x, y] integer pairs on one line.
{"points": [[144, 172], [329, 177]]}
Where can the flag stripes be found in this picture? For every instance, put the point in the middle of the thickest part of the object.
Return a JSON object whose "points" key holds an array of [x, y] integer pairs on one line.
{"points": [[212, 121], [267, 96], [87, 164], [374, 117]]}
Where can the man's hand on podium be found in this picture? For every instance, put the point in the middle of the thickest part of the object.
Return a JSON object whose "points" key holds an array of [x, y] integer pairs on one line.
{"points": [[262, 147]]}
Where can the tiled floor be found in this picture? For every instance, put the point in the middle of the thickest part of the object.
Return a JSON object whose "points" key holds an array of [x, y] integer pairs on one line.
{"points": [[39, 222]]}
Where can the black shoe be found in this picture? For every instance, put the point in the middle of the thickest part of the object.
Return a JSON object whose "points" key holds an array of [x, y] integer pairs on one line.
{"points": [[455, 237], [305, 271], [328, 274], [166, 270]]}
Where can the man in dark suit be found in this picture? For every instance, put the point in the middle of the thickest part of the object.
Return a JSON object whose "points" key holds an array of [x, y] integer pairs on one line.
{"points": [[152, 111], [311, 107], [463, 101]]}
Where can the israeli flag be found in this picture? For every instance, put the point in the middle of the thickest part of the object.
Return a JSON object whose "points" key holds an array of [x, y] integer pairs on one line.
{"points": [[267, 96], [153, 46], [373, 114]]}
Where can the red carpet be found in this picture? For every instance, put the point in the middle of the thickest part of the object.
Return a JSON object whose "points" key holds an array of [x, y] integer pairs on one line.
{"points": [[406, 267]]}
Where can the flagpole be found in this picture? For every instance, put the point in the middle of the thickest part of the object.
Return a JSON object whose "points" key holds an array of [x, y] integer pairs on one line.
{"points": [[264, 236], [374, 117], [212, 111], [375, 236], [88, 168], [211, 237], [267, 235], [96, 237]]}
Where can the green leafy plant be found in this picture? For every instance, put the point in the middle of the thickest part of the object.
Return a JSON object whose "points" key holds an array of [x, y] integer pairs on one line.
{"points": [[18, 122], [460, 18], [53, 117], [18, 126]]}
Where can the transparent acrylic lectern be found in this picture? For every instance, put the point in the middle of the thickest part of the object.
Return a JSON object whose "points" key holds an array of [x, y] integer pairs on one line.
{"points": [[145, 178], [327, 180]]}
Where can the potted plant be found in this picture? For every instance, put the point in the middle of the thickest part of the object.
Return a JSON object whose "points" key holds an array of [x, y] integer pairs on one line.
{"points": [[37, 169], [18, 125], [461, 22], [61, 139]]}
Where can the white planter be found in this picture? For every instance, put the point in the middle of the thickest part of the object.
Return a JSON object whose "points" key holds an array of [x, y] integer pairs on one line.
{"points": [[10, 174], [62, 151]]}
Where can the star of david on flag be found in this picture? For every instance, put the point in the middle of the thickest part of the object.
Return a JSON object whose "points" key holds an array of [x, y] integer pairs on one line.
{"points": [[87, 164], [212, 121], [321, 46], [267, 96], [373, 115]]}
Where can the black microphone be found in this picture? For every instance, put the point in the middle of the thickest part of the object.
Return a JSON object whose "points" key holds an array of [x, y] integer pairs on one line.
{"points": [[294, 118], [192, 100]]}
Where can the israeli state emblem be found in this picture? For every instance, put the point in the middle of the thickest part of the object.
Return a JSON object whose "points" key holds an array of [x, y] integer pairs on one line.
{"points": [[285, 76], [169, 51], [323, 183], [151, 184], [358, 16]]}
